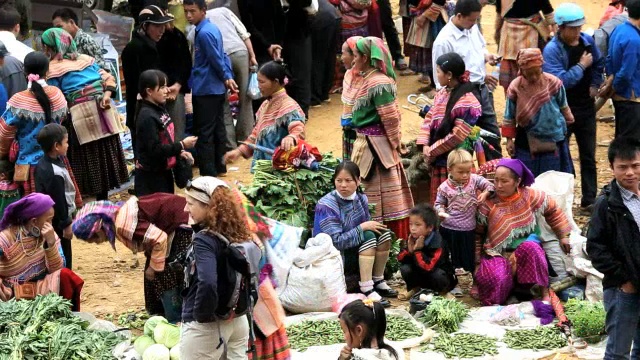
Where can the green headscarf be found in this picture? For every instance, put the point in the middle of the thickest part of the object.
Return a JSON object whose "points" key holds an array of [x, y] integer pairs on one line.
{"points": [[61, 42], [378, 54]]}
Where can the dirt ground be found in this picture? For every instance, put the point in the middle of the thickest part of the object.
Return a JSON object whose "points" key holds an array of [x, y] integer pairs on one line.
{"points": [[112, 286]]}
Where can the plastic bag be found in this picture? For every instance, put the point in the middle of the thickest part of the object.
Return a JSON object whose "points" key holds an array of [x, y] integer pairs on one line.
{"points": [[253, 90], [281, 249], [316, 279], [341, 300], [507, 316]]}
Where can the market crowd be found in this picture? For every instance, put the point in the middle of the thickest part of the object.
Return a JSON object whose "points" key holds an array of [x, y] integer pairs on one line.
{"points": [[60, 144]]}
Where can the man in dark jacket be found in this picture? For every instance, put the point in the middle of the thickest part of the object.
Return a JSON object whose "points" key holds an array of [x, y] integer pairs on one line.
{"points": [[324, 45], [141, 54], [612, 244], [574, 58]]}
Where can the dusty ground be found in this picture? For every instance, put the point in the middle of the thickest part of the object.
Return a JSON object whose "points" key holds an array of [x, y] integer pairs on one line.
{"points": [[113, 287]]}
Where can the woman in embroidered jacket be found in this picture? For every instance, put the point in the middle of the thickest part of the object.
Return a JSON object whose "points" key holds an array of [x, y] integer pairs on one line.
{"points": [[95, 152], [376, 150], [450, 120], [344, 215], [31, 255], [280, 120], [27, 113], [509, 218], [351, 83], [537, 115]]}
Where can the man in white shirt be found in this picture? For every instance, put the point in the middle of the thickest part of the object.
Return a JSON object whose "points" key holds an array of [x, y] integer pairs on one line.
{"points": [[462, 36], [9, 29]]}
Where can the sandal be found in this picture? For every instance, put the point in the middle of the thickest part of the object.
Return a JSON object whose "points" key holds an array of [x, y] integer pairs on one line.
{"points": [[388, 293], [370, 295], [401, 65]]}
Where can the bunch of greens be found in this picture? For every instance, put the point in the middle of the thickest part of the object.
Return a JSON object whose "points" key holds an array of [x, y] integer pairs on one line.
{"points": [[45, 329], [587, 318], [290, 196], [445, 315]]}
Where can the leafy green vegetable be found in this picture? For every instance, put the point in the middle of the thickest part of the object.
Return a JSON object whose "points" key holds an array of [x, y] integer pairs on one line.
{"points": [[142, 343], [289, 196], [156, 352], [445, 314], [45, 329], [167, 335], [174, 353], [588, 318], [131, 319], [151, 324]]}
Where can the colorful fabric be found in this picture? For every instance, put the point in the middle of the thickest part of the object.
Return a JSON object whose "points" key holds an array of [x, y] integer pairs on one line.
{"points": [[465, 114], [508, 72], [341, 219], [511, 218], [255, 222], [273, 347], [23, 120], [399, 227], [540, 107], [517, 34], [29, 207], [61, 42], [348, 138], [389, 191], [352, 42], [278, 117], [529, 58], [378, 54], [520, 169], [531, 264], [94, 217], [494, 280], [460, 201], [438, 175], [354, 13], [346, 34], [9, 194], [87, 45]]}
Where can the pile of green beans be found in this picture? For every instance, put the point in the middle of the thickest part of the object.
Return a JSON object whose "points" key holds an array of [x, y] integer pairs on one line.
{"points": [[540, 338], [399, 329], [314, 333], [463, 346]]}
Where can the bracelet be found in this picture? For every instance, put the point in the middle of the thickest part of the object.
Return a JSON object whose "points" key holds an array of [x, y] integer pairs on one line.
{"points": [[182, 144]]}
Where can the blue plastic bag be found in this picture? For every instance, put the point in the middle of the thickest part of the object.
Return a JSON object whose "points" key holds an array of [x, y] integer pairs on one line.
{"points": [[254, 90]]}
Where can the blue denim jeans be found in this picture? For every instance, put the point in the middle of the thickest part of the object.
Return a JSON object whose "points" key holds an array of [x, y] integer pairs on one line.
{"points": [[623, 313]]}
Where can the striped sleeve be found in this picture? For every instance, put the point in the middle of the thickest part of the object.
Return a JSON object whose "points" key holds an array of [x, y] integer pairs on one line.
{"points": [[460, 131], [157, 240], [509, 122], [556, 218], [246, 150], [387, 108], [296, 127], [53, 259], [425, 263], [7, 134], [425, 130]]}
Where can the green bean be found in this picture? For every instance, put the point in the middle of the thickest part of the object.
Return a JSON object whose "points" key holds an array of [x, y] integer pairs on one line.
{"points": [[399, 329], [314, 333], [540, 338], [463, 345]]}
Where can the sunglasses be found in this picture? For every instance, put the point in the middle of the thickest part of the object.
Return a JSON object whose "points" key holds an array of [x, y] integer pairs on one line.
{"points": [[190, 187]]}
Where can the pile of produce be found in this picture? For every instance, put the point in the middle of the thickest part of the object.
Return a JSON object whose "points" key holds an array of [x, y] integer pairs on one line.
{"points": [[587, 318], [415, 167], [45, 328], [463, 346], [400, 328], [445, 315], [160, 340], [290, 196], [314, 333], [540, 338]]}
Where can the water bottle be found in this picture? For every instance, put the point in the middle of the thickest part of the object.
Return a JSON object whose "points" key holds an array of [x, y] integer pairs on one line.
{"points": [[496, 75]]}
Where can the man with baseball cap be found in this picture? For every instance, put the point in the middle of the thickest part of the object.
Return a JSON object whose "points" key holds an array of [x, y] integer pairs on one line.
{"points": [[574, 58], [141, 54]]}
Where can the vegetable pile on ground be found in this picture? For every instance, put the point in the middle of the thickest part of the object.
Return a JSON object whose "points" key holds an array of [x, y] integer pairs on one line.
{"points": [[540, 338], [587, 318], [45, 328], [289, 196], [400, 328], [445, 315], [160, 340], [463, 346], [314, 333]]}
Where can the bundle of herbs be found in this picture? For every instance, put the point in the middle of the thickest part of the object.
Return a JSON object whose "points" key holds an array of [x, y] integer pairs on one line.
{"points": [[290, 196], [587, 318], [445, 315], [45, 329]]}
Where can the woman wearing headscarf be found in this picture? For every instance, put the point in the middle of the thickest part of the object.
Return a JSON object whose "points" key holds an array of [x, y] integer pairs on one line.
{"points": [[31, 258], [155, 224], [95, 151], [27, 113], [450, 120], [350, 85], [510, 254], [536, 116], [376, 118]]}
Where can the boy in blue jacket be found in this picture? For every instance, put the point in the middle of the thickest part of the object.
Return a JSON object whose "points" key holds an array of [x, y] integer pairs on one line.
{"points": [[574, 58]]}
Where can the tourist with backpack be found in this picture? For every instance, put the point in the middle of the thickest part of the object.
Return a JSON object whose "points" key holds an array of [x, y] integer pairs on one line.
{"points": [[220, 275]]}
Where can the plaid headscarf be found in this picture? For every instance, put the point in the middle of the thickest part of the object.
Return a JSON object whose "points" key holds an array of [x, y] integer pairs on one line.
{"points": [[378, 54], [61, 42], [96, 216], [529, 58], [352, 41]]}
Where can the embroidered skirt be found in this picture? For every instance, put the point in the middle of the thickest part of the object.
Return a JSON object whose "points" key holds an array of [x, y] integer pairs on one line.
{"points": [[438, 176], [389, 190]]}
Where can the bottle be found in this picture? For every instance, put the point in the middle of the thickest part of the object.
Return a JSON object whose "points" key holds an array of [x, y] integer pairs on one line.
{"points": [[496, 75]]}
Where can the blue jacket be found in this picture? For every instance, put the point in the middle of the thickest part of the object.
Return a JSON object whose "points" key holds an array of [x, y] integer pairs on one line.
{"points": [[623, 61], [556, 62], [211, 66]]}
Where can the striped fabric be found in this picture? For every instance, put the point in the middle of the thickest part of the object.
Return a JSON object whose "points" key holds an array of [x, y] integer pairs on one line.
{"points": [[517, 34], [508, 72], [341, 218], [58, 68], [277, 117], [25, 106], [530, 98], [26, 260], [273, 347], [159, 239], [389, 191], [509, 219]]}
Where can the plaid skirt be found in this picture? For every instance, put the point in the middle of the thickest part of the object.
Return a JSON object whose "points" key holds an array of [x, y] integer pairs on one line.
{"points": [[421, 59], [438, 176], [98, 166]]}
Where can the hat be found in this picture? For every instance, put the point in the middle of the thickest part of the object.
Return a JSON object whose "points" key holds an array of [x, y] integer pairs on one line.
{"points": [[569, 14], [154, 15], [3, 50]]}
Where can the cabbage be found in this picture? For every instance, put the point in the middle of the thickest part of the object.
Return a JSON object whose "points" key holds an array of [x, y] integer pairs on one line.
{"points": [[152, 323], [174, 354], [167, 335], [142, 343], [156, 352]]}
